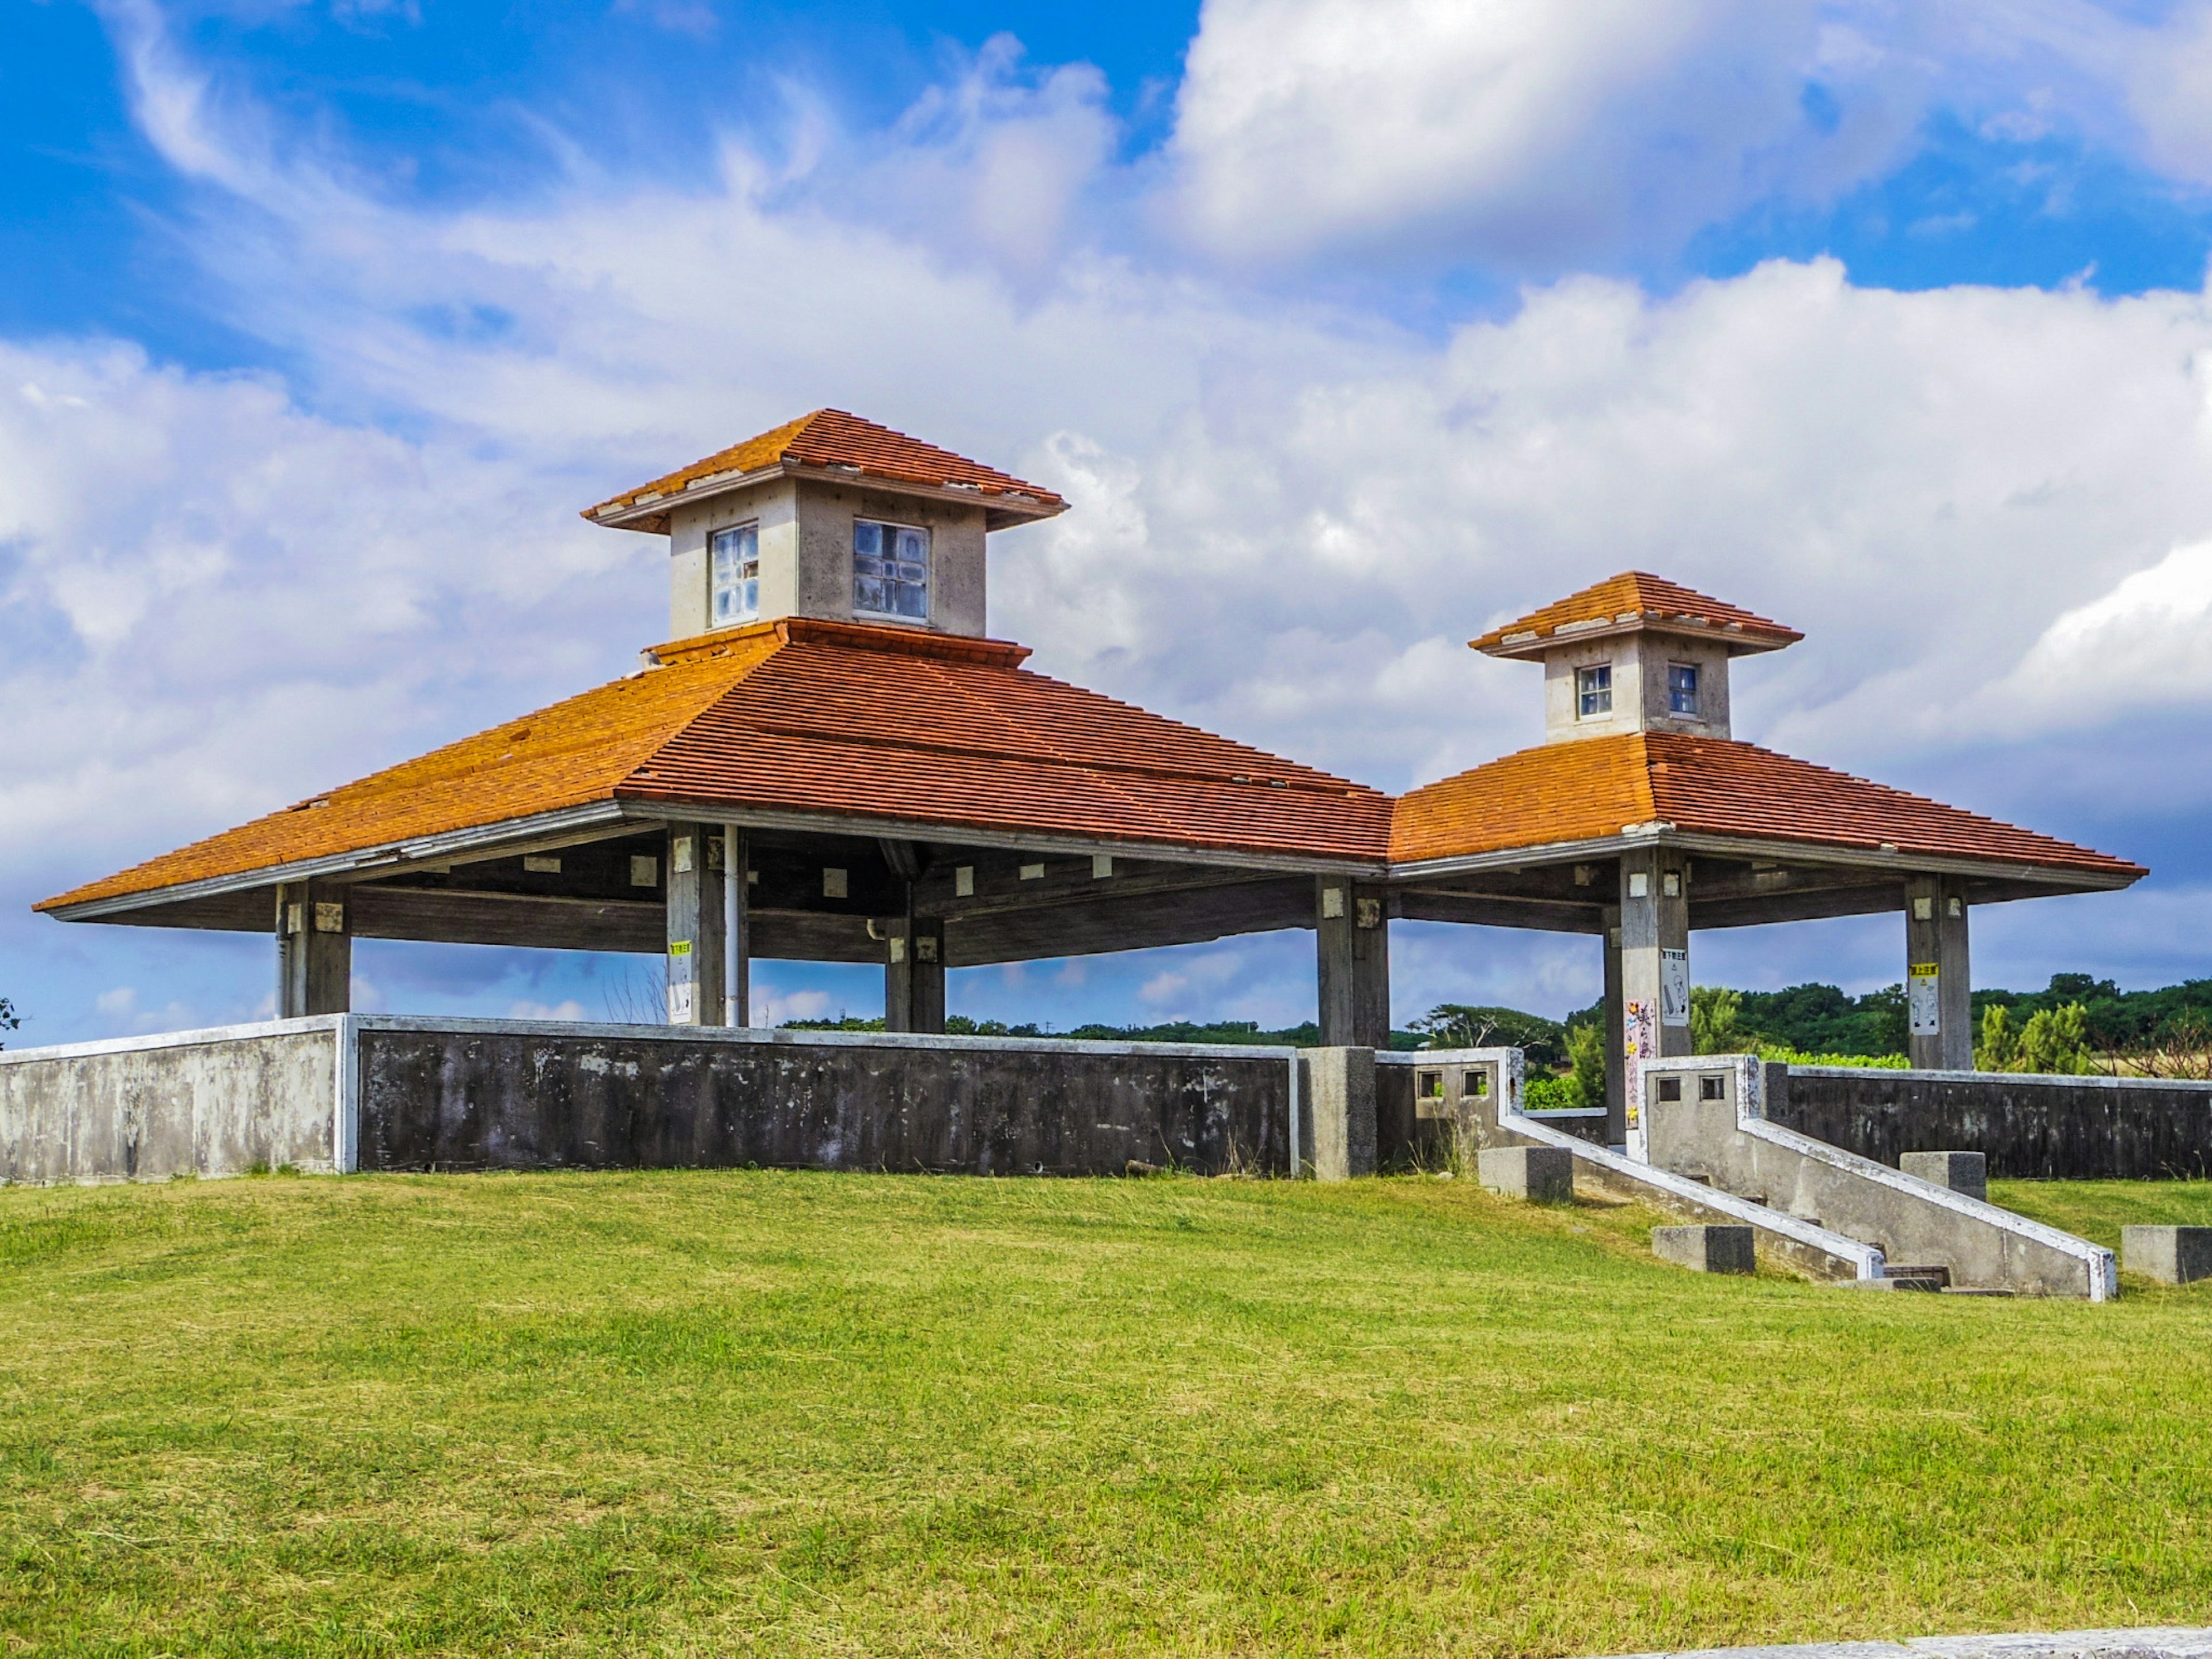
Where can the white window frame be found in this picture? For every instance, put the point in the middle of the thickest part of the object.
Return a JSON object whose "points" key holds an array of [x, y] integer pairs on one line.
{"points": [[1696, 689], [928, 568], [746, 586], [1593, 692]]}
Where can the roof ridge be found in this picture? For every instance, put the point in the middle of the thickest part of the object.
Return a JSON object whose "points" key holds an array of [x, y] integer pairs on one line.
{"points": [[1629, 601], [855, 635], [839, 441]]}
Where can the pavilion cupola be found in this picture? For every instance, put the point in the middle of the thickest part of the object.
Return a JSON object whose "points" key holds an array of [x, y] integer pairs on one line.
{"points": [[829, 516], [1635, 653]]}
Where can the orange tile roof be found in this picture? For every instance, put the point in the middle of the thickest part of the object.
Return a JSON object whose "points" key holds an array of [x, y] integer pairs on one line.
{"points": [[1631, 600], [845, 720], [830, 719], [1592, 788], [832, 438]]}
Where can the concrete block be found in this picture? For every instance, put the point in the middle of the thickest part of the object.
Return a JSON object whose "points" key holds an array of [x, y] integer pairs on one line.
{"points": [[2171, 1255], [1341, 1095], [1965, 1173], [1542, 1175], [1706, 1249]]}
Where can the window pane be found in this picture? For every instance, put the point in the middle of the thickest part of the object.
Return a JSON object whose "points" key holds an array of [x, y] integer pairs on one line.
{"points": [[735, 566], [1682, 688], [890, 569], [1594, 690]]}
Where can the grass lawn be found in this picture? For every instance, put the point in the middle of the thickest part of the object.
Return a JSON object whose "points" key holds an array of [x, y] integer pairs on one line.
{"points": [[709, 1413]]}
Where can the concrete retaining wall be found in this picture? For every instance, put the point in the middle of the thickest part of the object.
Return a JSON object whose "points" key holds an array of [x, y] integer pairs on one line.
{"points": [[2028, 1127], [462, 1094], [346, 1091], [213, 1102]]}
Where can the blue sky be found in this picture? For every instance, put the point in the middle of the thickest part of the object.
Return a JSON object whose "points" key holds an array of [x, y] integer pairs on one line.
{"points": [[1350, 327]]}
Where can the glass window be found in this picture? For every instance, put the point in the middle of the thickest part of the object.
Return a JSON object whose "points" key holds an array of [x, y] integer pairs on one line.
{"points": [[737, 573], [890, 569], [1594, 692], [1681, 688]]}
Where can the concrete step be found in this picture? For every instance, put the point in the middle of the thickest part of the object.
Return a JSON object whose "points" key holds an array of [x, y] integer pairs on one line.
{"points": [[1942, 1275]]}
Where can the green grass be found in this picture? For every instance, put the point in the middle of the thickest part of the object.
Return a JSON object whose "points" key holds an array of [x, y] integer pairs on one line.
{"points": [[711, 1413], [2097, 1210]]}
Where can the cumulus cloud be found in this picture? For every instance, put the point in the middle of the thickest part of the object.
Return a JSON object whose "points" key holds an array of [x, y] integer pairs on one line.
{"points": [[1524, 137], [2140, 644], [1527, 132]]}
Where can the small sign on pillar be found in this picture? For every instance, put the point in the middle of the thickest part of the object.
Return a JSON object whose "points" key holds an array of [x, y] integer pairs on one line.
{"points": [[1924, 984], [1674, 987], [682, 989]]}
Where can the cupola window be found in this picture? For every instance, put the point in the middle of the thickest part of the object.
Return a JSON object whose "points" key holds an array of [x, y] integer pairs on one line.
{"points": [[1681, 688], [736, 558], [890, 569], [1594, 692]]}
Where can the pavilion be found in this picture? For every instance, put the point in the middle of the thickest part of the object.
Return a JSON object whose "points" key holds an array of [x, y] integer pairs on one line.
{"points": [[831, 761]]}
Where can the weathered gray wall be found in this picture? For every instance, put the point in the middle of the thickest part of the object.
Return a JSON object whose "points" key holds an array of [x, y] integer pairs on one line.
{"points": [[215, 1104], [519, 1098], [2029, 1127]]}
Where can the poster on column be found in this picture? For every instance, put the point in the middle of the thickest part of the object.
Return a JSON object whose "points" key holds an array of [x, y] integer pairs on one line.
{"points": [[1639, 1041], [1923, 1001], [1673, 988]]}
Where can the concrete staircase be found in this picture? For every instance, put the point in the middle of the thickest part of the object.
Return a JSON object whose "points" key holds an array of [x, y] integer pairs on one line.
{"points": [[1703, 1151], [1705, 1117]]}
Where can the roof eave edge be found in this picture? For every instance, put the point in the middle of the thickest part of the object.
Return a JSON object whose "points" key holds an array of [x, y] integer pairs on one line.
{"points": [[1740, 643], [1008, 510], [998, 839], [562, 825], [2062, 877]]}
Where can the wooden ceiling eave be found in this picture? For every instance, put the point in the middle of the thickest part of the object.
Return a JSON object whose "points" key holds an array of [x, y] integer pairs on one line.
{"points": [[2032, 878]]}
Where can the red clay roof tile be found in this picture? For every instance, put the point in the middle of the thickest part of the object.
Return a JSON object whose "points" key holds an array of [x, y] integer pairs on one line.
{"points": [[1633, 599], [832, 438], [835, 719], [1594, 788], [844, 720]]}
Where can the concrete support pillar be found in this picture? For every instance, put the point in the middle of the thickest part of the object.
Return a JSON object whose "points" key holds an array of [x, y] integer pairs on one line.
{"points": [[1939, 982], [1340, 1095], [1616, 1066], [1352, 940], [1654, 971], [314, 949], [736, 928], [913, 976], [695, 919]]}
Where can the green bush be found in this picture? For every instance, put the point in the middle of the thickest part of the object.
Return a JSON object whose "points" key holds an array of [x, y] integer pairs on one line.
{"points": [[2053, 1040], [1717, 1022], [1546, 1092]]}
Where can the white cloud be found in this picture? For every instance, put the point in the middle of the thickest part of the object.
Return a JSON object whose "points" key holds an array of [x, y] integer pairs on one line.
{"points": [[569, 1009], [1522, 131], [1524, 136], [2143, 644]]}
